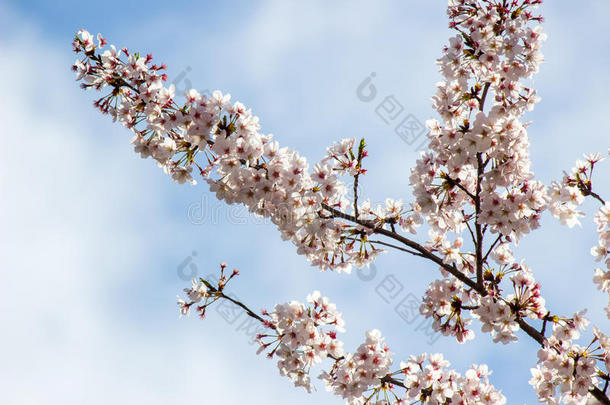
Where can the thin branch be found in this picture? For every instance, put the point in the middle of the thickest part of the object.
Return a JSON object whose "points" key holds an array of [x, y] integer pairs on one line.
{"points": [[491, 247], [479, 288], [396, 247], [220, 294], [469, 228], [408, 242], [483, 96], [464, 189], [527, 328], [544, 321], [387, 379], [356, 194]]}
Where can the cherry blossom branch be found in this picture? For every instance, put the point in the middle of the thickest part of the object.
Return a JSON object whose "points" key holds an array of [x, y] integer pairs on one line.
{"points": [[585, 184], [546, 318], [423, 252], [467, 222], [496, 47], [388, 379], [457, 183], [302, 340], [524, 325]]}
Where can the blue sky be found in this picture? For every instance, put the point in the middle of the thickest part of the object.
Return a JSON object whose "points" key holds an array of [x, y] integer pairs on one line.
{"points": [[93, 235]]}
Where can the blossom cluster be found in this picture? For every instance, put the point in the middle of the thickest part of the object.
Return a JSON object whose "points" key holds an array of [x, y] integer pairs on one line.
{"points": [[567, 367], [601, 252], [197, 293], [355, 373], [443, 303], [566, 198], [393, 212], [499, 314], [305, 336], [434, 383], [450, 251], [478, 158], [446, 300], [302, 336], [360, 377], [567, 195], [203, 293]]}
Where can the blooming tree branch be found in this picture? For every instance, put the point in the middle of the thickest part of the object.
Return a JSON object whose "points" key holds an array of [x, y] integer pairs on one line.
{"points": [[304, 335], [475, 177]]}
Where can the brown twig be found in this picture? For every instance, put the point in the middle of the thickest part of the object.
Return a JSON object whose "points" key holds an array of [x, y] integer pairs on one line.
{"points": [[220, 294], [357, 175]]}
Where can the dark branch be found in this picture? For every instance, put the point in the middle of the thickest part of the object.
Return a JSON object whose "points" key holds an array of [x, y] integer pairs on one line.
{"points": [[597, 197], [477, 223], [600, 396], [492, 247], [408, 242]]}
